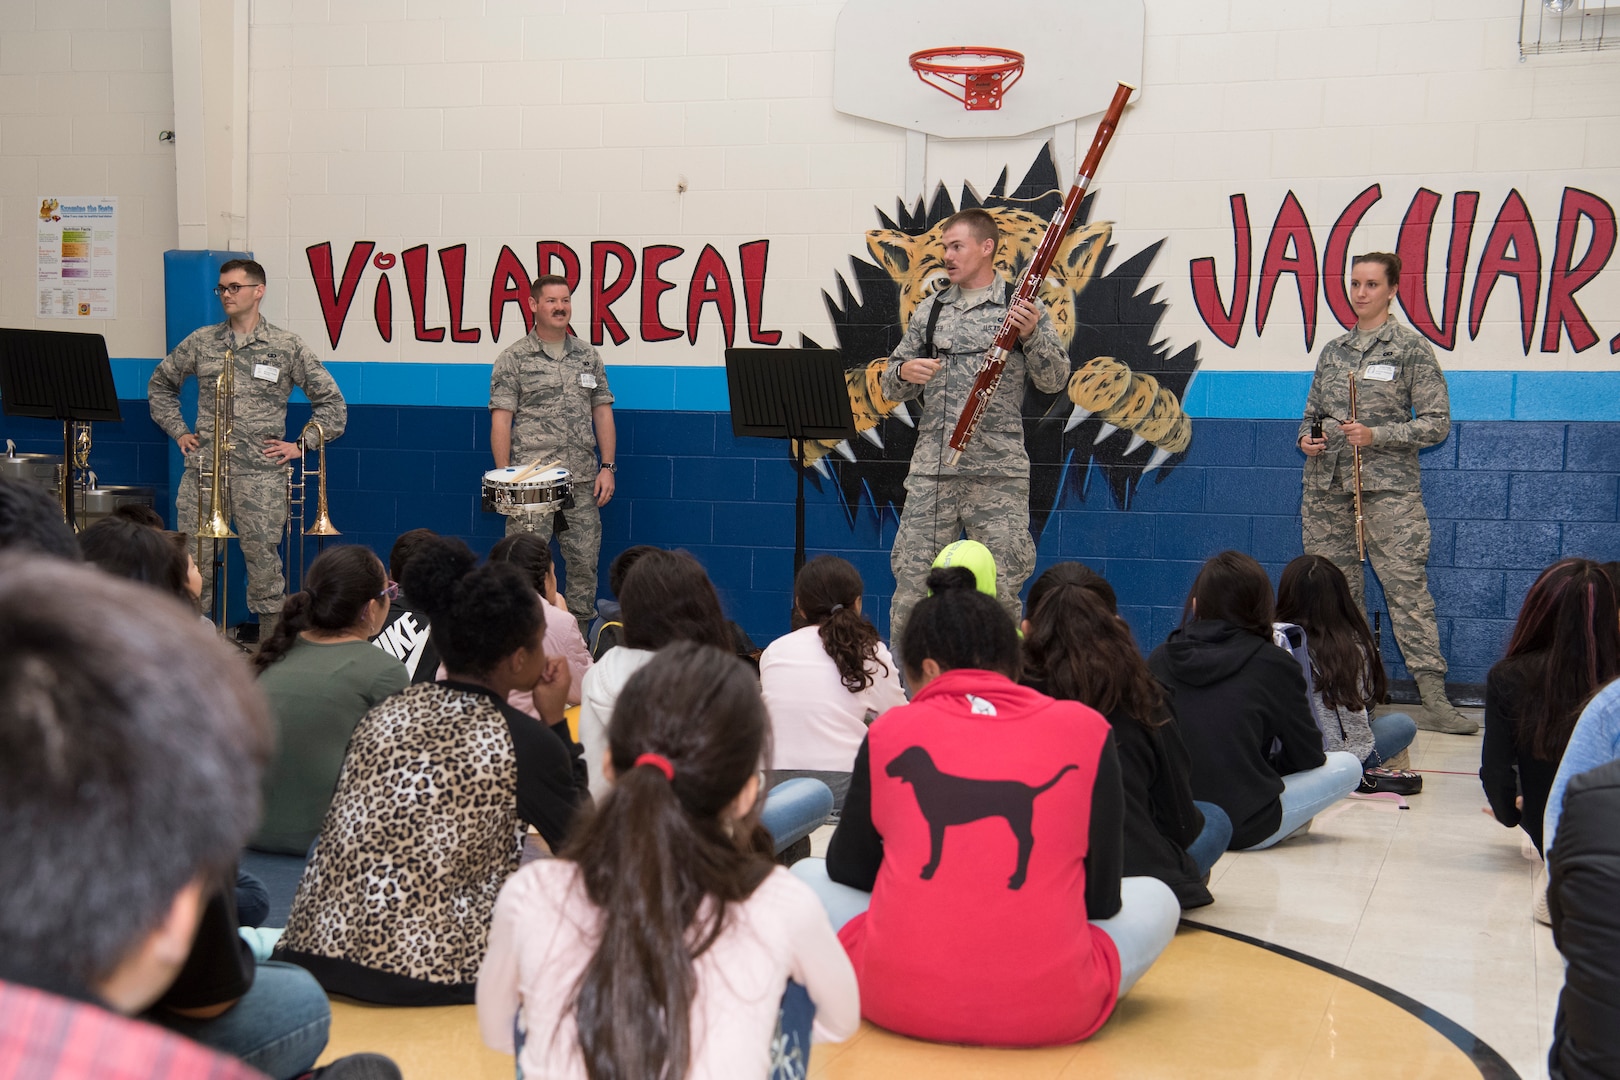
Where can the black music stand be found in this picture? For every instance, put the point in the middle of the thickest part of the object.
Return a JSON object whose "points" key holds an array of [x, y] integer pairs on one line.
{"points": [[793, 394], [57, 375]]}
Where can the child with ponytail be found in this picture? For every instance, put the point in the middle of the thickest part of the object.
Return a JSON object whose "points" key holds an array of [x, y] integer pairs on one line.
{"points": [[661, 942], [321, 675], [438, 789], [827, 680]]}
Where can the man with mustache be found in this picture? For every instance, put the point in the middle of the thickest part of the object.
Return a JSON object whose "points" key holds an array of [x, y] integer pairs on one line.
{"points": [[986, 494]]}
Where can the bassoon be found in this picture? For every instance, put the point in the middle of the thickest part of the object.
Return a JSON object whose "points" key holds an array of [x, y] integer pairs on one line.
{"points": [[995, 359]]}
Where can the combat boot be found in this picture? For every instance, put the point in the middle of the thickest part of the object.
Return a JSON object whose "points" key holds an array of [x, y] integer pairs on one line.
{"points": [[1438, 713], [267, 625]]}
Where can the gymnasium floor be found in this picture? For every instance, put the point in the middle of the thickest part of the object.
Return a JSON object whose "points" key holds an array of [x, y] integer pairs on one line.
{"points": [[1426, 911]]}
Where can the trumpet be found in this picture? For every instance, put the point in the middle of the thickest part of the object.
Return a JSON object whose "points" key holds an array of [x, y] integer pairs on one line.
{"points": [[297, 502], [215, 524]]}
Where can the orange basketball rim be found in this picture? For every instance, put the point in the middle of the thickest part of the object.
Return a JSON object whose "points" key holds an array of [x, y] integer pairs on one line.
{"points": [[975, 75]]}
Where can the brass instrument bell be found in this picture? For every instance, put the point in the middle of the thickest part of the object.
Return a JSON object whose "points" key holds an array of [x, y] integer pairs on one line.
{"points": [[216, 525]]}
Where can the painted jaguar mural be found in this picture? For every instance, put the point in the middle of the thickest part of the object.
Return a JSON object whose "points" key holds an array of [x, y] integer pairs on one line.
{"points": [[1120, 417]]}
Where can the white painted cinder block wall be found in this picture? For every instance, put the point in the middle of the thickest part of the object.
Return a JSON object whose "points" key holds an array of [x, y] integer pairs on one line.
{"points": [[491, 122], [85, 87]]}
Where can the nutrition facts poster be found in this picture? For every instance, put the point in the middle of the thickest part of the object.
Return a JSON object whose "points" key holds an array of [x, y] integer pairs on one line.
{"points": [[78, 257]]}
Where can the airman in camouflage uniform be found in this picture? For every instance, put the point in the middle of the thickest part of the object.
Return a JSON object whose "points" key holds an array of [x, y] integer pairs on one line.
{"points": [[1402, 406], [986, 494], [267, 362], [549, 401]]}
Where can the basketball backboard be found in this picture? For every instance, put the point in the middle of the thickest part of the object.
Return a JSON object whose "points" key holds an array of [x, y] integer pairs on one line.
{"points": [[1075, 52]]}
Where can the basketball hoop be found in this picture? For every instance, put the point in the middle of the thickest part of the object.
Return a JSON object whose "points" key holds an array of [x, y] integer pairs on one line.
{"points": [[975, 75]]}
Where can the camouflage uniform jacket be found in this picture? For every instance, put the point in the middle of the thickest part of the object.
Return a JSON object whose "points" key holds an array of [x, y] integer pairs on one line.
{"points": [[260, 409], [551, 402], [962, 336], [1408, 408]]}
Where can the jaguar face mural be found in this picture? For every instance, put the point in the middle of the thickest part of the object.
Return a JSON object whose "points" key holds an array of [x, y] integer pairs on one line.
{"points": [[1119, 419]]}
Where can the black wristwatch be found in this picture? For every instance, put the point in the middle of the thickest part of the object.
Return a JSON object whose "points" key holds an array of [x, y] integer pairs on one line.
{"points": [[610, 467]]}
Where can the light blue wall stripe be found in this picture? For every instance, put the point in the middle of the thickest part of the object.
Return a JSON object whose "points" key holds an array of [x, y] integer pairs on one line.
{"points": [[1238, 395]]}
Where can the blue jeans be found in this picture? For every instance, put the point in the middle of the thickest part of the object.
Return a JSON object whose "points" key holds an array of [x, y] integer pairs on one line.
{"points": [[794, 809], [1391, 734], [1148, 915], [1209, 844], [278, 1027], [842, 902], [1306, 794]]}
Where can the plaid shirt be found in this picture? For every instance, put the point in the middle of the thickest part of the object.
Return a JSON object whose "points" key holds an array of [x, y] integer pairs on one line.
{"points": [[46, 1037]]}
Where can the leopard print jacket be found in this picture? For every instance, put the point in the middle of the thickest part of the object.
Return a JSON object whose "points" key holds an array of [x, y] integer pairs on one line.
{"points": [[422, 833]]}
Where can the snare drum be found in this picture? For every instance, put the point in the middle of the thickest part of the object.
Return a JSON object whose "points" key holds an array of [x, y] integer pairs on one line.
{"points": [[541, 493]]}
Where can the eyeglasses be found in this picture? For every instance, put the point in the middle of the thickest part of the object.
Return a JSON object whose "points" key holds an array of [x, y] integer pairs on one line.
{"points": [[221, 290], [392, 591]]}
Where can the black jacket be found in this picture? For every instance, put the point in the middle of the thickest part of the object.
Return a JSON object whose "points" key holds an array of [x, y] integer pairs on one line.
{"points": [[405, 637], [1245, 717], [1160, 817], [1583, 896], [1505, 770]]}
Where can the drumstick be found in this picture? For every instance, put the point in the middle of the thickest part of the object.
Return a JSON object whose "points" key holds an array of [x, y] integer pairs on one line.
{"points": [[534, 467]]}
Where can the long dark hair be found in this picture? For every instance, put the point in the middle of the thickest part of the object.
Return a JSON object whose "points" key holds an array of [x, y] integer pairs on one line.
{"points": [[667, 597], [1080, 650], [478, 615], [1569, 631], [1314, 595], [825, 594], [1232, 587], [957, 626], [655, 850], [340, 583], [527, 552], [138, 552]]}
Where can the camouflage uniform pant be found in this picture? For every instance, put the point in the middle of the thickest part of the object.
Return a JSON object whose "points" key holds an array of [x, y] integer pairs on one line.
{"points": [[1398, 546], [939, 509], [581, 545], [258, 515]]}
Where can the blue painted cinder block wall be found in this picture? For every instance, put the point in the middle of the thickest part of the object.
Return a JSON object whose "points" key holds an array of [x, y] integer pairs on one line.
{"points": [[1506, 498]]}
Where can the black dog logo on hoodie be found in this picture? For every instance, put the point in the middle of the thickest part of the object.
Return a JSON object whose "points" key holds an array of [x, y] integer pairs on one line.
{"points": [[947, 800]]}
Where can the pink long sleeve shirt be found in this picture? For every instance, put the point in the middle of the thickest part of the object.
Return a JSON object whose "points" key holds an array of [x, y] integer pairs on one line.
{"points": [[546, 930]]}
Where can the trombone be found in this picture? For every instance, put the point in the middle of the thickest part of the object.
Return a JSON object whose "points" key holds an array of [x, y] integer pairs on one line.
{"points": [[297, 503], [215, 524]]}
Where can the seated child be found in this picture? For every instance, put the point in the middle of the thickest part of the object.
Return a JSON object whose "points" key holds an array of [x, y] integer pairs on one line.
{"points": [[662, 941], [1347, 680], [1077, 648], [1256, 751], [428, 819], [986, 819], [825, 681]]}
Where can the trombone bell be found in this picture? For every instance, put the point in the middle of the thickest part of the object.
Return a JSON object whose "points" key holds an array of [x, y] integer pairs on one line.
{"points": [[297, 488], [322, 525], [217, 527]]}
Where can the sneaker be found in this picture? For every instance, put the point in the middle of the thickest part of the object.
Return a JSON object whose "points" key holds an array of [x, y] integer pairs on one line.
{"points": [[1394, 780], [1538, 908]]}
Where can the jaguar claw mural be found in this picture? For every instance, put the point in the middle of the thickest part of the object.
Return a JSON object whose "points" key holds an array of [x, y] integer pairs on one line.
{"points": [[1120, 417]]}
